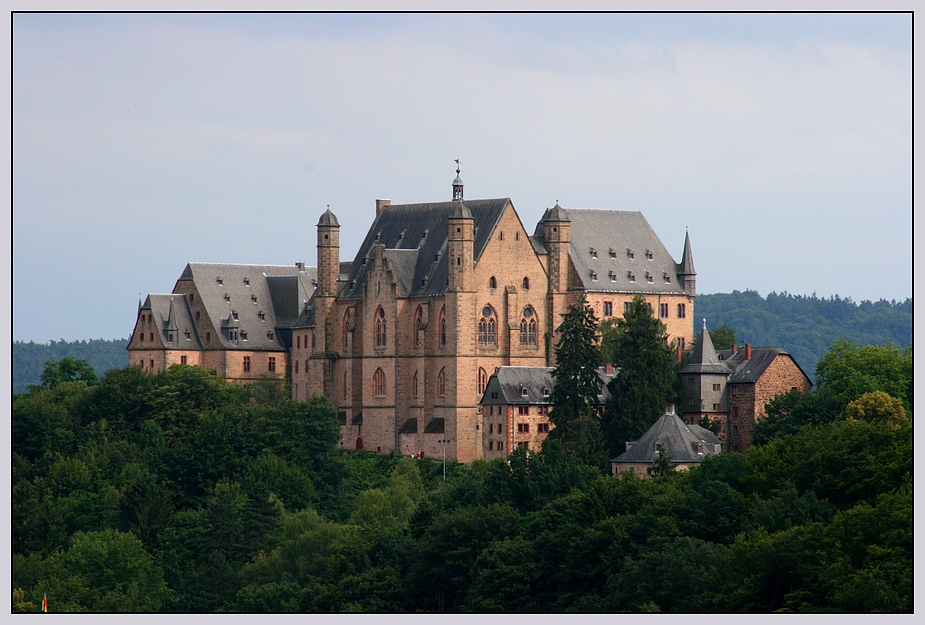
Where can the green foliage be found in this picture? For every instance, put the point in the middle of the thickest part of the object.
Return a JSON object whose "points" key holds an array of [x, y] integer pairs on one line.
{"points": [[806, 326], [67, 369], [644, 385], [30, 359], [577, 359], [179, 492]]}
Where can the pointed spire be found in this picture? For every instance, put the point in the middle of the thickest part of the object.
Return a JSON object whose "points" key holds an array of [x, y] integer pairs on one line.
{"points": [[687, 257], [704, 353]]}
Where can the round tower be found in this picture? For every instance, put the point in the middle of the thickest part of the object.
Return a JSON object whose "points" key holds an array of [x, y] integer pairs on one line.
{"points": [[328, 254]]}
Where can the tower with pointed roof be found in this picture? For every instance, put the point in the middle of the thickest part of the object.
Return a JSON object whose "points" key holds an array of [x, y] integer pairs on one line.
{"points": [[457, 185], [686, 271], [703, 382]]}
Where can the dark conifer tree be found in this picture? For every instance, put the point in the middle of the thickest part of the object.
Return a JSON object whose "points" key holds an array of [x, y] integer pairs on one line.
{"points": [[643, 387]]}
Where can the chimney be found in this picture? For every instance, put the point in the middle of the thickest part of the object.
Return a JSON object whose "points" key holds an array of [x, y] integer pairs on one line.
{"points": [[735, 348], [380, 204], [679, 353], [670, 409], [301, 266], [748, 351], [608, 369]]}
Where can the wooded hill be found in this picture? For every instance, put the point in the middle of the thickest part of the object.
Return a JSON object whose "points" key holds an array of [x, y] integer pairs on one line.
{"points": [[805, 325], [29, 358], [177, 491]]}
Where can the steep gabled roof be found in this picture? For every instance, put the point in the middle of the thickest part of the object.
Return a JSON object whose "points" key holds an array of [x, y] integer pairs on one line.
{"points": [[679, 440], [704, 358], [750, 370], [529, 386], [171, 312], [615, 246], [420, 227], [265, 297]]}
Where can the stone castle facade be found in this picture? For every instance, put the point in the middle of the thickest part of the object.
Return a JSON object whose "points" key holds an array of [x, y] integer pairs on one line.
{"points": [[404, 337]]}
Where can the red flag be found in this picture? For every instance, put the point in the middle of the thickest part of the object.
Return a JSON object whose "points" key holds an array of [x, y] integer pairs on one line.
{"points": [[45, 602]]}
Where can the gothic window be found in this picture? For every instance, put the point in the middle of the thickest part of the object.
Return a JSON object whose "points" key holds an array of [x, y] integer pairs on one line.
{"points": [[492, 283], [482, 381], [380, 327], [345, 330], [414, 385], [379, 383], [418, 322], [487, 327], [526, 283], [441, 383], [442, 325], [528, 328]]}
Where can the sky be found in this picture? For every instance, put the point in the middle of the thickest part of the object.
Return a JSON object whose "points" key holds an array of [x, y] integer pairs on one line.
{"points": [[141, 142]]}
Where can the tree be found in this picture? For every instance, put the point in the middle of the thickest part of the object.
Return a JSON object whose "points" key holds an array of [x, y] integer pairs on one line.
{"points": [[723, 337], [877, 407], [574, 397], [643, 387], [68, 369]]}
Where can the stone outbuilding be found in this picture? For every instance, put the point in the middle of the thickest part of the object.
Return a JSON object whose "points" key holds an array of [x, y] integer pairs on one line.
{"points": [[685, 445]]}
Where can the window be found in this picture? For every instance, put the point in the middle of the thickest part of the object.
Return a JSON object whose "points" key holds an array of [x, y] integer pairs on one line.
{"points": [[491, 445], [261, 315], [414, 384], [305, 370], [492, 283], [715, 406], [542, 428], [631, 276], [380, 328], [487, 327], [151, 336], [379, 383], [699, 449], [442, 325], [271, 364], [593, 253], [612, 275], [545, 392], [690, 382], [523, 445], [152, 363], [298, 342], [666, 277], [594, 276], [523, 410], [526, 283], [441, 383], [197, 315], [182, 360], [682, 311], [141, 337], [523, 428], [682, 343], [649, 255], [648, 277], [735, 412], [491, 428], [735, 391], [418, 324], [528, 328], [663, 311], [500, 445], [626, 307], [630, 254], [482, 381], [495, 396], [717, 387], [254, 298], [613, 253], [208, 337], [524, 392], [345, 385], [296, 366], [608, 309], [690, 403]]}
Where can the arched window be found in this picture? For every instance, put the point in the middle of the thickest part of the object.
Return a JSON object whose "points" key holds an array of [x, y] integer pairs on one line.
{"points": [[528, 328], [359, 444], [482, 381], [526, 283], [379, 383], [487, 327], [418, 322], [380, 327], [441, 383], [492, 283], [414, 385], [345, 330], [443, 326]]}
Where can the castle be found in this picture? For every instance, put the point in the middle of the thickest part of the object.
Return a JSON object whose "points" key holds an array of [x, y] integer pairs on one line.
{"points": [[404, 338]]}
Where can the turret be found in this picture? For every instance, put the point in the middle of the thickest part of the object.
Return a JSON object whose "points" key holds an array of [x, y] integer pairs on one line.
{"points": [[328, 254], [457, 185], [557, 229], [686, 273], [461, 243]]}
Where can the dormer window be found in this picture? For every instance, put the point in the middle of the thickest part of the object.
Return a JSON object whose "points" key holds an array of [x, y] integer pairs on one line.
{"points": [[667, 278], [631, 276], [593, 253], [612, 276], [594, 276], [630, 254], [648, 277], [243, 335], [649, 255], [234, 314], [247, 282], [523, 392], [227, 297], [270, 335], [219, 280], [254, 298], [613, 253], [545, 392], [188, 335], [261, 315]]}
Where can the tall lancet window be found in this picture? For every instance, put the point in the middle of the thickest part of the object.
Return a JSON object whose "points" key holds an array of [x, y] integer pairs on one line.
{"points": [[487, 328], [528, 328], [380, 327]]}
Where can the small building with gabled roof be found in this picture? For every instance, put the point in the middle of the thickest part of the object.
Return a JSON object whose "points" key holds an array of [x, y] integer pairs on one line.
{"points": [[685, 445]]}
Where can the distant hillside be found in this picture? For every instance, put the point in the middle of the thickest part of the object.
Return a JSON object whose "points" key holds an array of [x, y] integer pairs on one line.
{"points": [[29, 358], [806, 325]]}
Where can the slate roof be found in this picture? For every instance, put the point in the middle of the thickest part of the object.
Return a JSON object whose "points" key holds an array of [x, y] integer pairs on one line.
{"points": [[704, 358], [749, 371], [279, 292], [678, 439], [420, 227], [613, 235], [169, 309], [511, 383]]}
